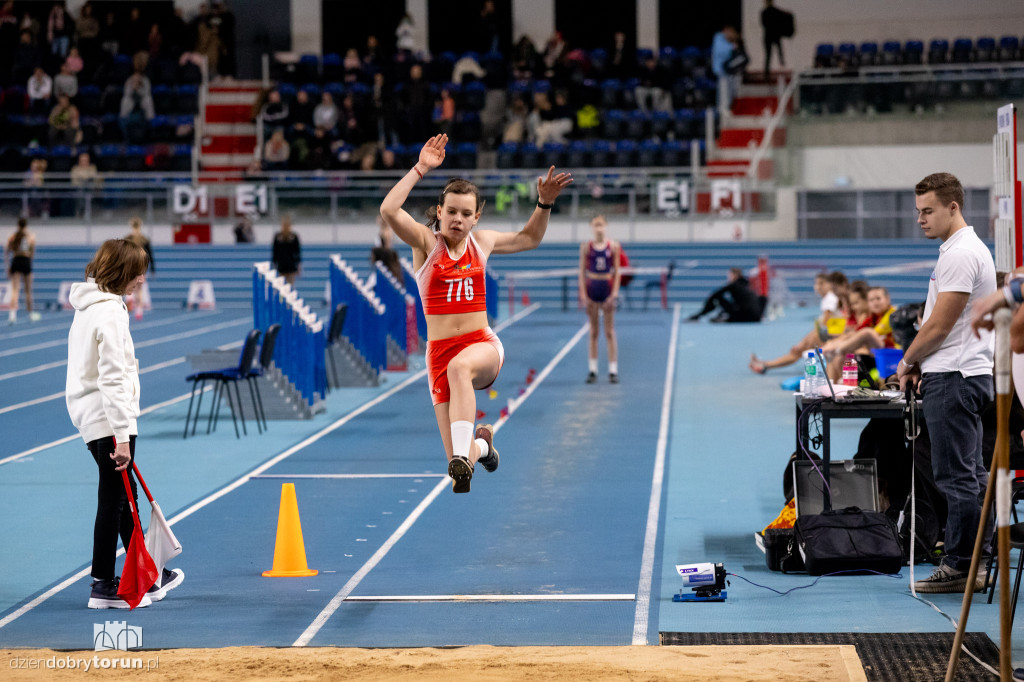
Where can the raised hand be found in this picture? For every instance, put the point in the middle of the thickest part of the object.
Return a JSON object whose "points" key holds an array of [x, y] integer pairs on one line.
{"points": [[548, 188], [432, 154]]}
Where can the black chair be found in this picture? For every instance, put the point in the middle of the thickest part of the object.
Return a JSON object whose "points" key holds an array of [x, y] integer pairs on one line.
{"points": [[266, 357], [656, 283], [1016, 542], [224, 379], [334, 333]]}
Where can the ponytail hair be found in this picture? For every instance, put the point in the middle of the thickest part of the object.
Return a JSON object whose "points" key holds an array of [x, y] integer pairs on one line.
{"points": [[19, 235], [453, 186]]}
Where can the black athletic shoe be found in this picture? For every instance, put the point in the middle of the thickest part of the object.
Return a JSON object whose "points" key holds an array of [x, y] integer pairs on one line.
{"points": [[613, 378], [104, 596], [490, 462], [461, 471], [168, 581], [592, 378]]}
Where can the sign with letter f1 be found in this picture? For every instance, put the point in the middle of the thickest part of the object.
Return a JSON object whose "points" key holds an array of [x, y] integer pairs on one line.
{"points": [[1006, 188]]}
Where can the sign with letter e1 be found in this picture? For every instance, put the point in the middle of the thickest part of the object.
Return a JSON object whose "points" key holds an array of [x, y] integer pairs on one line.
{"points": [[672, 197]]}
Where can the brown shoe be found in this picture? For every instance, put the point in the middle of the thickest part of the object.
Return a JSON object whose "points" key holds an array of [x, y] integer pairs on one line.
{"points": [[461, 471], [490, 462]]}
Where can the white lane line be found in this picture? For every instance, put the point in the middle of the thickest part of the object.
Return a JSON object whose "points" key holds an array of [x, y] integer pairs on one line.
{"points": [[306, 637], [141, 344], [14, 615], [147, 370], [351, 476], [643, 601], [493, 597]]}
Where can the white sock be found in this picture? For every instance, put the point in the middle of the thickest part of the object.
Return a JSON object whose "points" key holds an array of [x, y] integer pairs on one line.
{"points": [[482, 444], [613, 367], [462, 435], [13, 315], [593, 365]]}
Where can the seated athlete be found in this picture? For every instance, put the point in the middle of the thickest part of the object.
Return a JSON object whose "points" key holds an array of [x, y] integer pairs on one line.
{"points": [[737, 301], [833, 291], [599, 281], [449, 259]]}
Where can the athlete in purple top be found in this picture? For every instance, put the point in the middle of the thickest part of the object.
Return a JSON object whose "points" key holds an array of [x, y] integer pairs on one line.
{"points": [[599, 281]]}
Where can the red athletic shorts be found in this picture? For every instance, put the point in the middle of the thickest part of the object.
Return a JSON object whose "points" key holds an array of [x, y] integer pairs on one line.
{"points": [[441, 352]]}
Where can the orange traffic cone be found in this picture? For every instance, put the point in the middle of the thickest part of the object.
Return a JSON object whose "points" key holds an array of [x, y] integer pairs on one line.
{"points": [[290, 550]]}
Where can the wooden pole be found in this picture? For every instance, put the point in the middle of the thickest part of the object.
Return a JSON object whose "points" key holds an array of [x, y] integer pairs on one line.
{"points": [[1000, 481]]}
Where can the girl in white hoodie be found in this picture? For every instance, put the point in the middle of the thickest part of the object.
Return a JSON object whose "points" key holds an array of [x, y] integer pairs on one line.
{"points": [[102, 394]]}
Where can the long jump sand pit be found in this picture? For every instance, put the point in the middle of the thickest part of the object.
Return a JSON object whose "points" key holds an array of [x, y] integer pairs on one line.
{"points": [[705, 663]]}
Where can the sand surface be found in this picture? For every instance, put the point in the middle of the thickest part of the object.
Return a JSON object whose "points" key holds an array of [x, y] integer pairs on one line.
{"points": [[704, 663]]}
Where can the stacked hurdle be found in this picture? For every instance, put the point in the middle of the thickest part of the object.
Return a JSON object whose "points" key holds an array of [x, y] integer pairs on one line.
{"points": [[300, 343], [414, 291], [364, 322], [399, 318]]}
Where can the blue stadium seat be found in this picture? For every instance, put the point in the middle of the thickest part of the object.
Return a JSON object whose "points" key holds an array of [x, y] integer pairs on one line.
{"points": [[643, 54], [465, 155], [963, 50], [163, 99], [15, 100], [469, 126], [611, 93], [59, 159], [600, 153], [91, 127], [636, 124], [120, 69], [612, 122], [337, 91], [181, 158], [691, 58], [647, 154], [542, 85], [913, 52], [672, 153], [110, 102], [287, 92], [985, 49], [163, 71], [189, 73], [161, 129], [88, 100], [186, 100], [529, 155], [134, 158], [109, 158], [474, 96], [110, 128], [938, 51], [313, 90], [824, 55], [184, 126], [362, 94], [553, 154], [598, 60], [892, 53], [685, 124], [576, 154], [867, 54], [307, 69], [660, 123], [1009, 49], [507, 155], [625, 153], [847, 52], [493, 63], [331, 68]]}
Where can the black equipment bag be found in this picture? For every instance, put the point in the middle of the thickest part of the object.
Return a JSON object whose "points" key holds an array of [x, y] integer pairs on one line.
{"points": [[787, 24], [848, 539], [780, 552]]}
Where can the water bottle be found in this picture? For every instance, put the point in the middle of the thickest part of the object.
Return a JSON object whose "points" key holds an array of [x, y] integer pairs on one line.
{"points": [[811, 379], [850, 370]]}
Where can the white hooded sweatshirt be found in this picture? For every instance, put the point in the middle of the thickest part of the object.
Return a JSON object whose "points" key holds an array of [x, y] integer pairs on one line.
{"points": [[102, 390]]}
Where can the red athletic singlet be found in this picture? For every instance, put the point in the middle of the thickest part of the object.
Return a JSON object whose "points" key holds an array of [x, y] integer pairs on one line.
{"points": [[450, 286]]}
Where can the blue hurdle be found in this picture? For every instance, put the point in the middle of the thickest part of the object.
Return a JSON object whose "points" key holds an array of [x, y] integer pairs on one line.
{"points": [[364, 323]]}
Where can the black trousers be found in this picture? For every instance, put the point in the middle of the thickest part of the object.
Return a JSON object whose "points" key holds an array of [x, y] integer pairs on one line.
{"points": [[113, 514], [734, 311]]}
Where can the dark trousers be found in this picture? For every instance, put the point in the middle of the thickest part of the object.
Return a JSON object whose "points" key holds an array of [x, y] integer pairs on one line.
{"points": [[113, 515], [734, 311], [768, 45], [952, 409]]}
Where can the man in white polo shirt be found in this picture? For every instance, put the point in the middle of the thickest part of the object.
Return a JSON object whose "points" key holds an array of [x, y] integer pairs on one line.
{"points": [[953, 367]]}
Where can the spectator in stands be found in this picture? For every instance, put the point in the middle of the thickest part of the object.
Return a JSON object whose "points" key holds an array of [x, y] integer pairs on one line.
{"points": [[244, 232], [723, 44], [553, 123], [652, 90], [286, 254], [773, 20], [35, 177], [553, 51], [75, 63], [134, 33], [953, 369], [176, 34], [87, 30], [325, 115], [18, 254], [372, 59], [444, 112], [516, 121], [31, 24], [831, 288], [59, 29], [524, 59], [136, 108], [488, 31], [40, 91], [416, 104], [352, 66], [300, 117], [84, 173], [110, 34], [599, 281], [405, 34], [736, 301], [26, 58], [383, 106], [64, 123], [275, 111], [8, 34], [384, 252], [65, 82], [210, 45], [621, 58], [467, 66], [276, 152], [155, 40]]}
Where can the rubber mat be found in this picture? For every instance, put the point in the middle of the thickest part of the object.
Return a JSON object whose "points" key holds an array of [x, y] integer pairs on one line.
{"points": [[886, 656]]}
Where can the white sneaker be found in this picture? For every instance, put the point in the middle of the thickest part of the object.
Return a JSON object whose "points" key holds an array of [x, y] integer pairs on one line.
{"points": [[35, 317]]}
